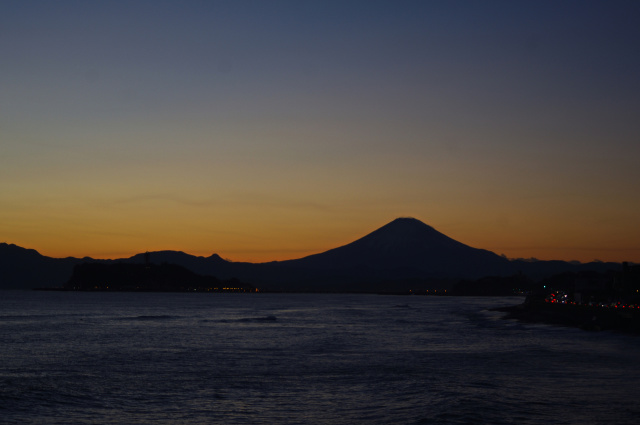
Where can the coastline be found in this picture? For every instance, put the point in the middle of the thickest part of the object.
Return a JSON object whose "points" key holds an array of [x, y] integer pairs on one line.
{"points": [[586, 317]]}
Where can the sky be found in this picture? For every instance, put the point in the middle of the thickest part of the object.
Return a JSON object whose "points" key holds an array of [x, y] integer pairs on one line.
{"points": [[271, 130]]}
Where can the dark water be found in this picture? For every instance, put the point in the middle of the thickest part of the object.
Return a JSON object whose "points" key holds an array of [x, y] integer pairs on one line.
{"points": [[112, 358]]}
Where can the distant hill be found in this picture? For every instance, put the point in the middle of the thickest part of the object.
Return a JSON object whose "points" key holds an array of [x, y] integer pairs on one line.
{"points": [[22, 268], [404, 254]]}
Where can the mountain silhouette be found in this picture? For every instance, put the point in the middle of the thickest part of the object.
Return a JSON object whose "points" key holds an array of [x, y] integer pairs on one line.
{"points": [[405, 253], [22, 268], [410, 245]]}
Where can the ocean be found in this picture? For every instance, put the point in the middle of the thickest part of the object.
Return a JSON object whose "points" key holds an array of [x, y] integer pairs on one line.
{"points": [[192, 358]]}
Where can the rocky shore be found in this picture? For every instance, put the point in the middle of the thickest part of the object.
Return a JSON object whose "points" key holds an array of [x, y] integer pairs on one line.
{"points": [[592, 318]]}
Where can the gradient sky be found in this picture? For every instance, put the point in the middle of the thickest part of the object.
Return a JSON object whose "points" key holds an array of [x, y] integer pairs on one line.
{"points": [[270, 130]]}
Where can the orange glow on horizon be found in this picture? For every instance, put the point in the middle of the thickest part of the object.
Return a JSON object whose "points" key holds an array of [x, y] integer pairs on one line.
{"points": [[297, 245]]}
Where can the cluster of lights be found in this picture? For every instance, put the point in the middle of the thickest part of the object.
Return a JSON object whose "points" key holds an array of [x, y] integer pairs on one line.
{"points": [[561, 298], [231, 289]]}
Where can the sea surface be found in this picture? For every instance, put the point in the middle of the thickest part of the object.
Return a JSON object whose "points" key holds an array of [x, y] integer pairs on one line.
{"points": [[178, 358]]}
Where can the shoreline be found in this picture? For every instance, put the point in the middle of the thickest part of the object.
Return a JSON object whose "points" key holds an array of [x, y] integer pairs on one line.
{"points": [[589, 318]]}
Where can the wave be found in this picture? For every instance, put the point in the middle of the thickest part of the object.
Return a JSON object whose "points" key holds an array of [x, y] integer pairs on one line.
{"points": [[144, 318], [269, 318]]}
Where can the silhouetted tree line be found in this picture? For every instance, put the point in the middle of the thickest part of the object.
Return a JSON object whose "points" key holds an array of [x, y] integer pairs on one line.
{"points": [[591, 286]]}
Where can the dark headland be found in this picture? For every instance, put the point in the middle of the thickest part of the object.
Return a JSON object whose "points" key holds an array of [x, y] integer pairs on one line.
{"points": [[147, 278], [614, 317], [588, 300]]}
